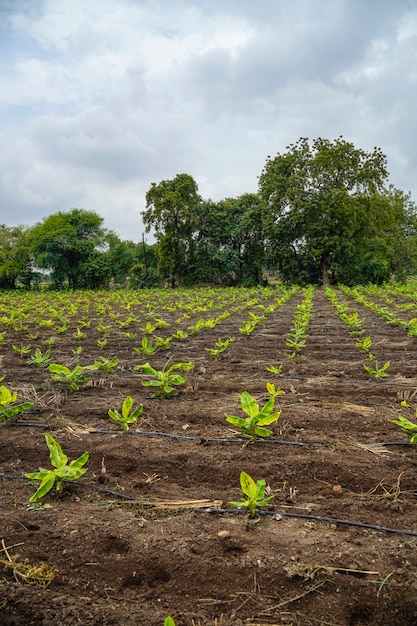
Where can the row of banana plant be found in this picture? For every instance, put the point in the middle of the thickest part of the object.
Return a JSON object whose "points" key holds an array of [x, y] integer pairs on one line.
{"points": [[296, 337], [356, 329]]}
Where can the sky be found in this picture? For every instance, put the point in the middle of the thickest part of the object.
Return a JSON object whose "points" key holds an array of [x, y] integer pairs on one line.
{"points": [[98, 100]]}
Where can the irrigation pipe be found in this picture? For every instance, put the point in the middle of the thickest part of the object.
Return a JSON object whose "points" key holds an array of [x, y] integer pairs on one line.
{"points": [[317, 518], [156, 433], [211, 510]]}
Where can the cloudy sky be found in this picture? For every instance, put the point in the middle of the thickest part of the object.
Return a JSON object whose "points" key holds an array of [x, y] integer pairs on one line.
{"points": [[100, 99]]}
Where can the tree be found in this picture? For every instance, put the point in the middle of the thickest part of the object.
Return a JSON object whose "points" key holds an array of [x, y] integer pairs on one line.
{"points": [[67, 244], [171, 208], [15, 260], [324, 202], [230, 242]]}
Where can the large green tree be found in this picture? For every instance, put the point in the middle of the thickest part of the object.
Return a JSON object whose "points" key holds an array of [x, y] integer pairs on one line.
{"points": [[68, 244], [230, 241], [15, 260], [171, 209], [325, 201]]}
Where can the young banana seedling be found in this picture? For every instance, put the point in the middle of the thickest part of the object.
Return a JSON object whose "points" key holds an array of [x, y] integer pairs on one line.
{"points": [[8, 406], [127, 417], [409, 428], [253, 425], [165, 379], [255, 495], [62, 471]]}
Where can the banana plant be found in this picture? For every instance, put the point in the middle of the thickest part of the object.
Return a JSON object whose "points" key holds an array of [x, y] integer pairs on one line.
{"points": [[127, 416], [255, 495], [62, 471], [253, 425], [71, 378], [8, 406], [164, 379]]}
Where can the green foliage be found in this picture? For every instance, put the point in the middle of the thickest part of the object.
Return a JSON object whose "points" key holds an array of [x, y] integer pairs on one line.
{"points": [[148, 347], [39, 359], [8, 406], [15, 261], [169, 621], [364, 345], [71, 378], [253, 425], [22, 350], [165, 378], [106, 365], [409, 428], [127, 417], [276, 371], [376, 371], [326, 203], [62, 471], [255, 495], [221, 346], [171, 209], [66, 243]]}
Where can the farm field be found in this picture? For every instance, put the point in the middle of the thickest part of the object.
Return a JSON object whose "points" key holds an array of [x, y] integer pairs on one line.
{"points": [[147, 531]]}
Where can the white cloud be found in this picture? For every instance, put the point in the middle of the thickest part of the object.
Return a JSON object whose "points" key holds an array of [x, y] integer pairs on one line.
{"points": [[98, 100]]}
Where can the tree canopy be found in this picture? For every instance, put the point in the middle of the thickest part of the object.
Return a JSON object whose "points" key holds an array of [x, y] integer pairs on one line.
{"points": [[66, 244], [324, 211], [324, 203]]}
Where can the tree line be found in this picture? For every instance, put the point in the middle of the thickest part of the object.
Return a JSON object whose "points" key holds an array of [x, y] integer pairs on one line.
{"points": [[324, 212]]}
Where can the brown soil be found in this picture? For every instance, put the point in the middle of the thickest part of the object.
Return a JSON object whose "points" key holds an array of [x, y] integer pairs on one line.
{"points": [[171, 549]]}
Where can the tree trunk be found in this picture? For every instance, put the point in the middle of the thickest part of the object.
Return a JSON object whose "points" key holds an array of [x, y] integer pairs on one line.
{"points": [[324, 273]]}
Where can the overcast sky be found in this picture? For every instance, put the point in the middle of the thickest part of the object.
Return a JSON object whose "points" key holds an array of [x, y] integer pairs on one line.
{"points": [[98, 99]]}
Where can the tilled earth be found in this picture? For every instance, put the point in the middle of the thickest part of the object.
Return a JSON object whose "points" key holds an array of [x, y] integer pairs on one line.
{"points": [[147, 531]]}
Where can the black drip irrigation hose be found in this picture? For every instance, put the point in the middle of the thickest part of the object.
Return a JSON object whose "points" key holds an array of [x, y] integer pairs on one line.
{"points": [[202, 440], [317, 518], [211, 510], [155, 433]]}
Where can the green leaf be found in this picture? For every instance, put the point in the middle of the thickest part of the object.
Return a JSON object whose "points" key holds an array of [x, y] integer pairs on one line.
{"points": [[249, 404], [78, 463], [262, 432], [269, 419], [236, 421], [58, 458], [248, 485], [126, 406], [56, 368], [45, 486]]}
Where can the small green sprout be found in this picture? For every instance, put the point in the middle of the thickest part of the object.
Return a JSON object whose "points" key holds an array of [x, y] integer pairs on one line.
{"points": [[79, 334], [169, 621], [364, 345], [165, 378], [377, 372], [8, 408], [3, 336], [39, 359], [255, 493], [148, 347], [49, 342], [22, 350], [257, 419], [221, 346], [62, 471], [409, 428], [72, 379], [105, 365], [101, 343], [180, 335], [127, 417], [276, 371]]}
